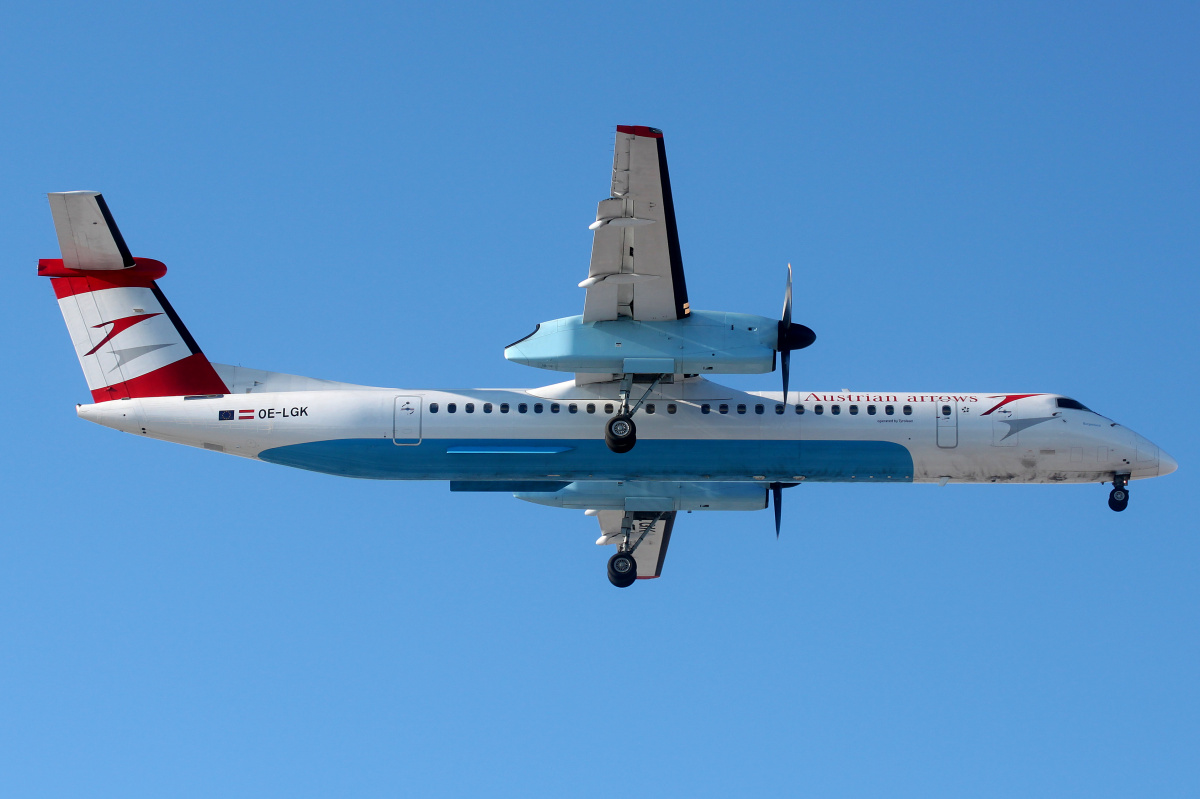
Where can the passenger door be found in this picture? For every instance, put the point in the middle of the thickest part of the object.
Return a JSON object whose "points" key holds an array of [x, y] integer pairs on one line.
{"points": [[406, 421], [947, 425]]}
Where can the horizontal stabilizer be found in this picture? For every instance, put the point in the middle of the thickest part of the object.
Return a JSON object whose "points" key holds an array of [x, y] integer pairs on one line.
{"points": [[87, 235]]}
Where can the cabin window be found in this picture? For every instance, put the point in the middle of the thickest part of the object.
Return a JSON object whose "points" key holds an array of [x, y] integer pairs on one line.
{"points": [[572, 408], [854, 410], [759, 408], [487, 407], [1066, 402], [945, 410], [723, 408], [870, 410], [591, 407], [537, 407], [522, 408], [908, 410], [889, 409], [470, 407], [778, 408], [433, 407], [608, 407], [836, 409], [504, 407], [451, 407], [818, 409], [671, 407], [799, 409], [554, 407], [650, 407], [741, 408], [706, 408]]}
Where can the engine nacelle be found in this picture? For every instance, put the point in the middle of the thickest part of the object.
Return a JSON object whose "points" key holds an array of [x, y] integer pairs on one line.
{"points": [[706, 342]]}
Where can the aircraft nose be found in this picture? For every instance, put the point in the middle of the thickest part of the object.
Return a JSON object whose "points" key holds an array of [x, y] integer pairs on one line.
{"points": [[1166, 464]]}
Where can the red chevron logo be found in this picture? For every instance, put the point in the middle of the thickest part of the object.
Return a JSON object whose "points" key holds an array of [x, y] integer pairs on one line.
{"points": [[119, 326], [1007, 399]]}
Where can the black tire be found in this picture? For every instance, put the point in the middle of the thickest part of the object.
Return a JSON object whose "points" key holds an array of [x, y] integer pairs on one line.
{"points": [[622, 570], [620, 433], [1118, 499]]}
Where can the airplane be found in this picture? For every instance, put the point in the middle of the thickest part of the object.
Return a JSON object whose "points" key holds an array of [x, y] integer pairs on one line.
{"points": [[636, 435]]}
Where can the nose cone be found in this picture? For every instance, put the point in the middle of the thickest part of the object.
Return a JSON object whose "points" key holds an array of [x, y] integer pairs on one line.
{"points": [[1166, 464]]}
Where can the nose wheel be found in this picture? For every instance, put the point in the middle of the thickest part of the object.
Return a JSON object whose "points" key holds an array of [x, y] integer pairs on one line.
{"points": [[1118, 498]]}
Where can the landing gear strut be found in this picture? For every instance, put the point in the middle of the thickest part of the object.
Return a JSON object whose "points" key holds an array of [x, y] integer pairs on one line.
{"points": [[620, 433], [1118, 498]]}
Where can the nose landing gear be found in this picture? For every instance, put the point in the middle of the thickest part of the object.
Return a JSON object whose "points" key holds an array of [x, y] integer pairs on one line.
{"points": [[1118, 498]]}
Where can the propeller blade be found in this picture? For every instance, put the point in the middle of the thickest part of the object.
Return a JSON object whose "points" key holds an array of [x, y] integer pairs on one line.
{"points": [[785, 366], [785, 355], [787, 300], [777, 500]]}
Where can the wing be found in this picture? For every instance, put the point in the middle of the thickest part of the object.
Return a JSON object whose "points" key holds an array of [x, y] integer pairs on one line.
{"points": [[87, 234], [636, 269], [649, 533]]}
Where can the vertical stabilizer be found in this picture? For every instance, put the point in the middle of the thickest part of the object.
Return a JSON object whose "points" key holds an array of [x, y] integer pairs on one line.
{"points": [[129, 340]]}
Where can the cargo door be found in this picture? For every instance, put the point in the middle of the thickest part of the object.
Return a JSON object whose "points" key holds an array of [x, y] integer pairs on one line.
{"points": [[947, 425], [406, 421]]}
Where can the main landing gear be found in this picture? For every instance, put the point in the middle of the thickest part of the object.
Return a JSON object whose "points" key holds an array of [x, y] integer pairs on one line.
{"points": [[620, 433], [1118, 498], [622, 568]]}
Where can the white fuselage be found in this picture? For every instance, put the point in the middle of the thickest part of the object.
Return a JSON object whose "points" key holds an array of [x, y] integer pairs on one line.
{"points": [[691, 430]]}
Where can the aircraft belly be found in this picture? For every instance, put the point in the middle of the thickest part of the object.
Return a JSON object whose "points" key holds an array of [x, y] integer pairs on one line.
{"points": [[576, 459]]}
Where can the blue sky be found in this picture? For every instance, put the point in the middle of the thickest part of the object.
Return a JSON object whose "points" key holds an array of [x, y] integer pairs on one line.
{"points": [[975, 197]]}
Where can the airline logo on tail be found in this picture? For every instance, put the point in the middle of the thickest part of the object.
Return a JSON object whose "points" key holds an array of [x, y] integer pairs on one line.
{"points": [[120, 326]]}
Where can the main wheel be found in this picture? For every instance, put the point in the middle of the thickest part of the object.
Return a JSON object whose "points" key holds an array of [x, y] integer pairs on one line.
{"points": [[622, 570], [1118, 499], [620, 433]]}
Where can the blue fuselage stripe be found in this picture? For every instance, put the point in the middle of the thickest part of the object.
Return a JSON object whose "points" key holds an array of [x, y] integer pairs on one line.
{"points": [[569, 459]]}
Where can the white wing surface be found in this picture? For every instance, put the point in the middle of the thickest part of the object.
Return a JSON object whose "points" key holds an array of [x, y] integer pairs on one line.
{"points": [[636, 269]]}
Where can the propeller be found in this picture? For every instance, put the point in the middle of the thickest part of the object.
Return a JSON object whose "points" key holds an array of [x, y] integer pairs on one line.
{"points": [[791, 337], [777, 502]]}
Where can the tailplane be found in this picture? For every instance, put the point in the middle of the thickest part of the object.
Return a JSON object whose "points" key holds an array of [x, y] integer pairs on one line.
{"points": [[129, 340]]}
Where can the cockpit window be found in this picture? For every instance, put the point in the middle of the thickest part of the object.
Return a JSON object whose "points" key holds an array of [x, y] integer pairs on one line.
{"points": [[1066, 402]]}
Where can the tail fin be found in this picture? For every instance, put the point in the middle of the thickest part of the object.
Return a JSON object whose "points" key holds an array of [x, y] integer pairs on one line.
{"points": [[129, 340]]}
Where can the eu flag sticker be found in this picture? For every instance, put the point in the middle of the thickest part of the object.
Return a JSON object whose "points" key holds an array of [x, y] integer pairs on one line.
{"points": [[225, 416]]}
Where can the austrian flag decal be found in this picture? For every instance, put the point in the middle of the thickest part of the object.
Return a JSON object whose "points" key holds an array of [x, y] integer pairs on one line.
{"points": [[246, 414], [228, 416]]}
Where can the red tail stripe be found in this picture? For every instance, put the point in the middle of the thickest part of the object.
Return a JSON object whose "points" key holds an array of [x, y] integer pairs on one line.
{"points": [[190, 375]]}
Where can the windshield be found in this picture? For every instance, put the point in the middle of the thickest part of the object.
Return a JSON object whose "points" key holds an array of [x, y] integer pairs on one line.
{"points": [[1067, 402]]}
